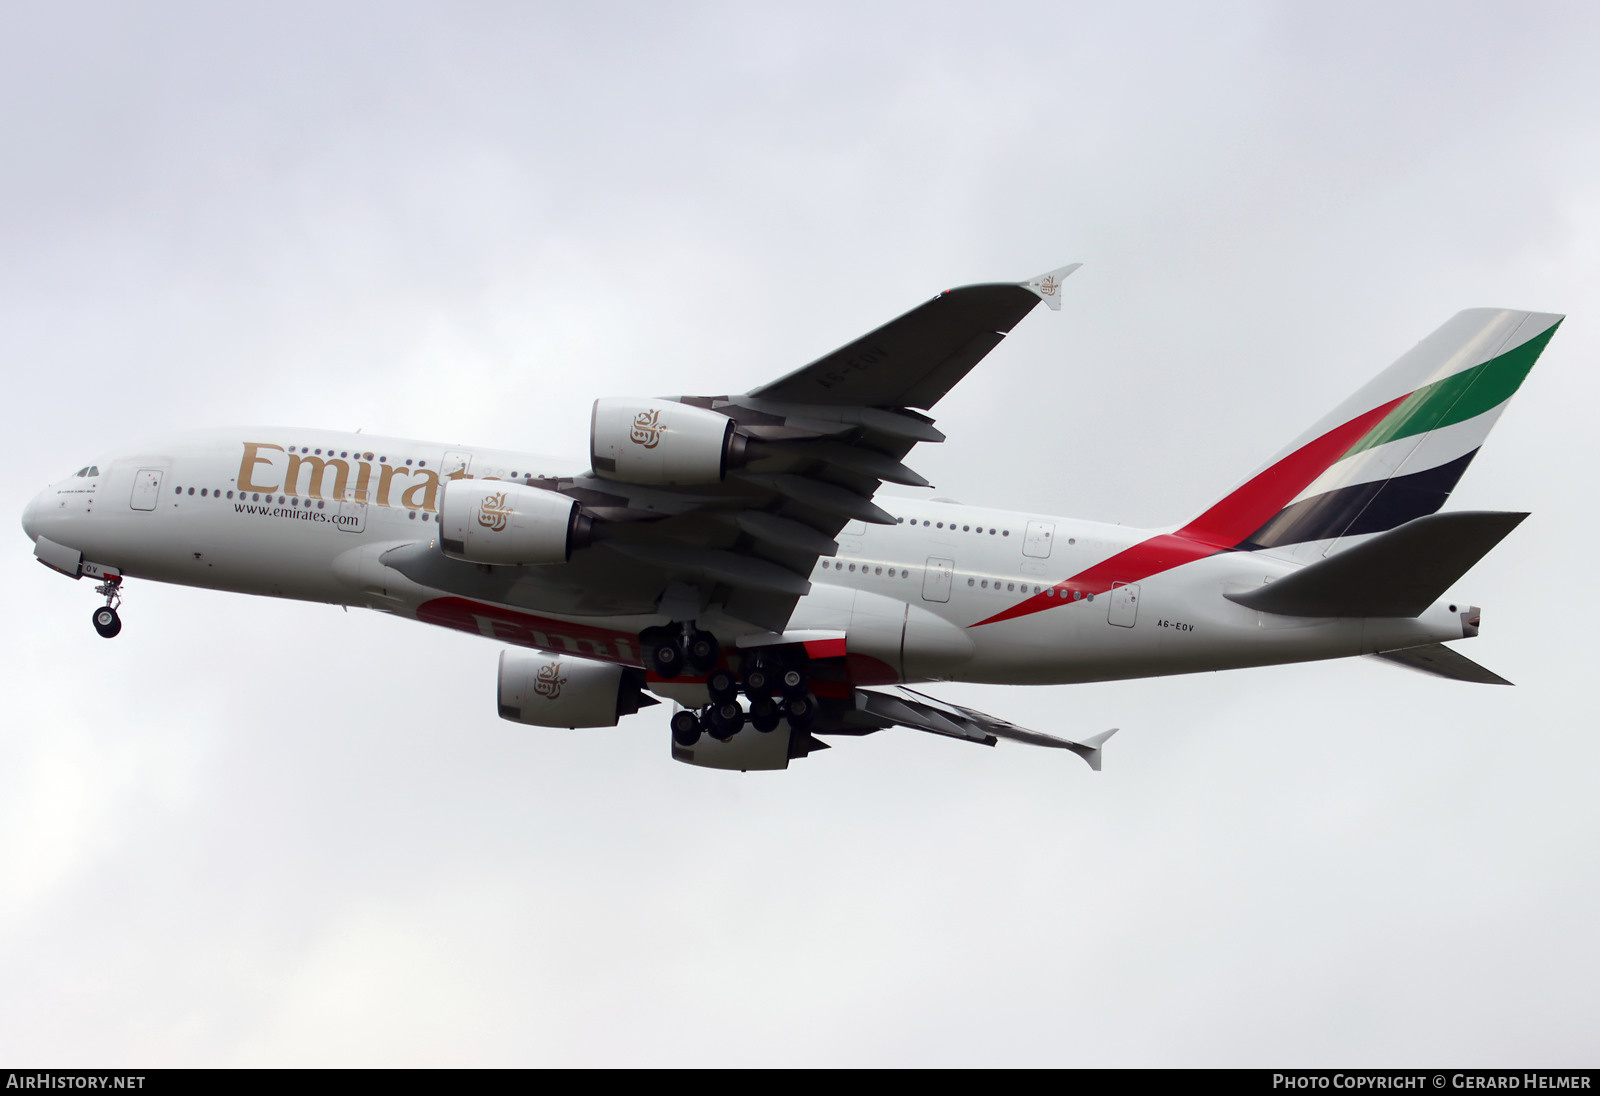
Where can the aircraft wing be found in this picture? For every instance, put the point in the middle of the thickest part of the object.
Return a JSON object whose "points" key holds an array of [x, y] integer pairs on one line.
{"points": [[914, 360], [816, 445], [897, 706], [833, 431]]}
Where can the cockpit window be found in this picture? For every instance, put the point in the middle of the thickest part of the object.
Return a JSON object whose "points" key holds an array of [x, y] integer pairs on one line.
{"points": [[80, 473], [94, 470]]}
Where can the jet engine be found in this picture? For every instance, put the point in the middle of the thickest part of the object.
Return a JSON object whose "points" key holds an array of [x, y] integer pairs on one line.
{"points": [[748, 750], [491, 521], [550, 690], [662, 442]]}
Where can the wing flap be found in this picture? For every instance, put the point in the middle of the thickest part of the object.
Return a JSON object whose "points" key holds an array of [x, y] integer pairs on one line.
{"points": [[896, 705], [820, 495]]}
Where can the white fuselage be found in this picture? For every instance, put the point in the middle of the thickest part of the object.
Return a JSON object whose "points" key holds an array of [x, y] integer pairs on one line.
{"points": [[247, 511]]}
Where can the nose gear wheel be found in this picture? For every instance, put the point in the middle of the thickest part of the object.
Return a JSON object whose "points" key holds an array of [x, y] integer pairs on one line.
{"points": [[105, 619], [107, 622]]}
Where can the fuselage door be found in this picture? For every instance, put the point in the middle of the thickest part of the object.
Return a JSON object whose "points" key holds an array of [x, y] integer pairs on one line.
{"points": [[1124, 608], [936, 579], [455, 462], [1036, 541], [146, 486], [351, 517]]}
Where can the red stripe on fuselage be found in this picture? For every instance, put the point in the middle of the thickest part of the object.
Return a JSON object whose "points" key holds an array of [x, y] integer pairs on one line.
{"points": [[1219, 529]]}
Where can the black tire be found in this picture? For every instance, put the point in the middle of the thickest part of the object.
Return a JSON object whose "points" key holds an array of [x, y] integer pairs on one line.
{"points": [[793, 682], [764, 715], [722, 686], [685, 728], [800, 711], [725, 719], [758, 678], [665, 659], [106, 621], [703, 651]]}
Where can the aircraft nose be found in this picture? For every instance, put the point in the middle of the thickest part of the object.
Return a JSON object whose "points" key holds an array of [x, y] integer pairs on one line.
{"points": [[30, 519]]}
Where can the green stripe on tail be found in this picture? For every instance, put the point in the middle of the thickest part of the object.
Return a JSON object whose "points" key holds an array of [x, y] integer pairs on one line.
{"points": [[1460, 397]]}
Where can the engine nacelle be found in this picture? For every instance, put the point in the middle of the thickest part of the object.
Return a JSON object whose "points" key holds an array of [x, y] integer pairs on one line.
{"points": [[747, 751], [662, 442], [547, 690], [491, 521]]}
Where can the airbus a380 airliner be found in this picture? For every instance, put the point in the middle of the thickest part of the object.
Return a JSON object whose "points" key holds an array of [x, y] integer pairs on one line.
{"points": [[725, 552]]}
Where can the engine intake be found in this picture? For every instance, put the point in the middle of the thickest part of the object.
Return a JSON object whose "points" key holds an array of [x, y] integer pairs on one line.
{"points": [[662, 442], [491, 521], [549, 690]]}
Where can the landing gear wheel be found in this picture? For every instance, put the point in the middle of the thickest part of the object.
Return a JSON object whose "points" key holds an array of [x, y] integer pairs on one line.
{"points": [[685, 728], [722, 686], [725, 719], [758, 677], [703, 651], [107, 622], [800, 711], [764, 714], [793, 682], [665, 658]]}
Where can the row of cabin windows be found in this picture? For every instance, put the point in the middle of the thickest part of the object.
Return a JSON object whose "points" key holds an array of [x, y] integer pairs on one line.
{"points": [[968, 528], [290, 500], [865, 569], [965, 528], [1047, 591], [346, 455], [1010, 587]]}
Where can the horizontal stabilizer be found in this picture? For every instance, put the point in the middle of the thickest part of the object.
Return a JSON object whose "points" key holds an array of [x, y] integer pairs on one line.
{"points": [[1395, 574], [1441, 661]]}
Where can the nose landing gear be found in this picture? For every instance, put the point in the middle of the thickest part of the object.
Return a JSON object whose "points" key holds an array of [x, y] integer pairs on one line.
{"points": [[106, 621]]}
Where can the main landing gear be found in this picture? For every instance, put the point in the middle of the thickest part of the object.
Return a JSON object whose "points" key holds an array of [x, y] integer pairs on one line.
{"points": [[778, 690], [106, 621], [671, 649]]}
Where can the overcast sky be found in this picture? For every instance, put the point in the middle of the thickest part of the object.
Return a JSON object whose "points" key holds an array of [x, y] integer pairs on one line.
{"points": [[260, 832]]}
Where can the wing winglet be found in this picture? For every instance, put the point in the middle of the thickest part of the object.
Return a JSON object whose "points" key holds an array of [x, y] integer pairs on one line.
{"points": [[1048, 285], [1089, 748]]}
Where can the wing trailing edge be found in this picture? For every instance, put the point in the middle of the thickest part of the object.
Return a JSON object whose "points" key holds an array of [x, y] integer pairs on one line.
{"points": [[899, 706], [913, 360]]}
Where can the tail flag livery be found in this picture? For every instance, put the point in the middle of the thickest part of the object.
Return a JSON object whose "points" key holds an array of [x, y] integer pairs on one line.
{"points": [[1386, 456], [1395, 450]]}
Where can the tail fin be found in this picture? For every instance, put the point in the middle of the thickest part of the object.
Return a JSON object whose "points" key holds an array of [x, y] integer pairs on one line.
{"points": [[1392, 452]]}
